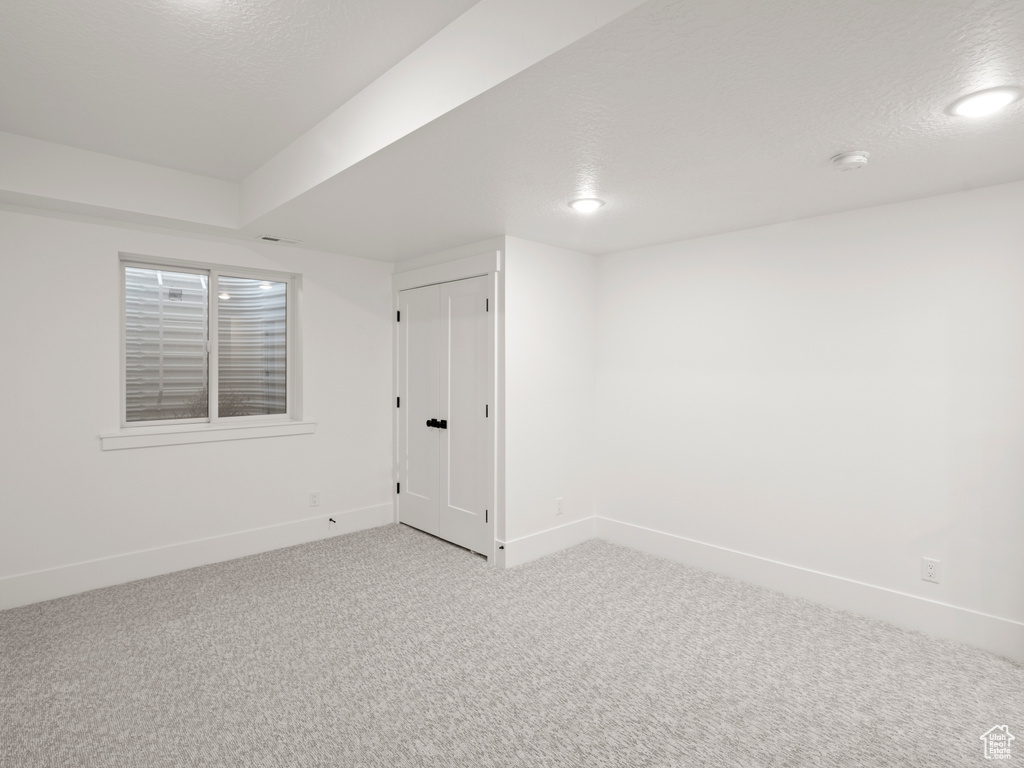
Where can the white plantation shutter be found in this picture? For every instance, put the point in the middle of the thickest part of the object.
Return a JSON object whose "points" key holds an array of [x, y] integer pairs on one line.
{"points": [[166, 329]]}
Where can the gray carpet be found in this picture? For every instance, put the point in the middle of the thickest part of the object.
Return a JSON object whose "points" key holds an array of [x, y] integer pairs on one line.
{"points": [[391, 648]]}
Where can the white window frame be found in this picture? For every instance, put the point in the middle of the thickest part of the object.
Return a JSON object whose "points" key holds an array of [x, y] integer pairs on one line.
{"points": [[139, 434]]}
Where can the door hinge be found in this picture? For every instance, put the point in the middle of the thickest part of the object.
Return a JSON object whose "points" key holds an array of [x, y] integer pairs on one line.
{"points": [[487, 411], [398, 316], [487, 305], [398, 402], [398, 488], [485, 517]]}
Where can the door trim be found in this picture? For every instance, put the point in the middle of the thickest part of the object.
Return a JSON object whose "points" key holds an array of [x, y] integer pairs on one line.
{"points": [[449, 271]]}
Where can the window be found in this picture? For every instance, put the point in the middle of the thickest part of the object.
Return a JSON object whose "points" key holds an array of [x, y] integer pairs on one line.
{"points": [[206, 345]]}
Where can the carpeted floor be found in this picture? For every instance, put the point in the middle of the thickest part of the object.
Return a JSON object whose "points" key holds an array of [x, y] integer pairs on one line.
{"points": [[391, 648]]}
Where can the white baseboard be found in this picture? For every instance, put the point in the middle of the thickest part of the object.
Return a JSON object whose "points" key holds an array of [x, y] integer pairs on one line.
{"points": [[991, 633], [36, 586], [543, 543]]}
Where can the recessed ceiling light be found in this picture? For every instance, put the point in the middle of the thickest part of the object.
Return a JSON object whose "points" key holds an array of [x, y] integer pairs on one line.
{"points": [[982, 103], [586, 204], [224, 296]]}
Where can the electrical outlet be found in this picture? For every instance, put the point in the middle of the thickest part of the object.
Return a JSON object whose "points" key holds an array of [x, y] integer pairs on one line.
{"points": [[314, 498], [930, 570], [559, 505]]}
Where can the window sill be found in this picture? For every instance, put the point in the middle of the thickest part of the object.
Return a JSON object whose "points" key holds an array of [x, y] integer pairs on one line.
{"points": [[150, 437]]}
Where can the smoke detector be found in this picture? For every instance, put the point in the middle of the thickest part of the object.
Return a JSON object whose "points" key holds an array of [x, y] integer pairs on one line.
{"points": [[850, 161]]}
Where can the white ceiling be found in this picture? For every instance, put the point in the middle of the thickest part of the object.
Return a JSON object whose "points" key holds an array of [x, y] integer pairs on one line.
{"points": [[689, 118], [214, 87]]}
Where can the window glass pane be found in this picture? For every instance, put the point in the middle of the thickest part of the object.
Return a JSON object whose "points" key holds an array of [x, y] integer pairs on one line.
{"points": [[252, 339], [166, 321]]}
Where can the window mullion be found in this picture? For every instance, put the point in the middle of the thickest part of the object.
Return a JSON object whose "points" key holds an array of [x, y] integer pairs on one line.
{"points": [[213, 371]]}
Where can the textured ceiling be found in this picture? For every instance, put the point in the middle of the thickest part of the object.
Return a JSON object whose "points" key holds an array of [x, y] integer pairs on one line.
{"points": [[689, 118], [213, 87]]}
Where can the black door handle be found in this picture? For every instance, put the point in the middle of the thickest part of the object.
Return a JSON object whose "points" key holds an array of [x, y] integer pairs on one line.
{"points": [[442, 424], [431, 422]]}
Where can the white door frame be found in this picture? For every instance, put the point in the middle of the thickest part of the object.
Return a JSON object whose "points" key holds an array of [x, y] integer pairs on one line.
{"points": [[487, 264]]}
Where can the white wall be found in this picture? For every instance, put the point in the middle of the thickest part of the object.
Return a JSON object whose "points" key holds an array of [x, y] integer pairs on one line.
{"points": [[64, 502], [843, 394], [550, 346]]}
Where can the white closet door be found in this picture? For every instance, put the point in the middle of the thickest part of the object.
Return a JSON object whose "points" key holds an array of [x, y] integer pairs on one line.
{"points": [[444, 414], [464, 356], [419, 401]]}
